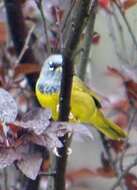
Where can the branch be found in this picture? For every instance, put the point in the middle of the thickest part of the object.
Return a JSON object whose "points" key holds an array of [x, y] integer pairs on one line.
{"points": [[5, 179], [26, 45], [68, 15], [19, 33], [88, 40], [124, 173], [126, 22], [73, 37], [40, 7]]}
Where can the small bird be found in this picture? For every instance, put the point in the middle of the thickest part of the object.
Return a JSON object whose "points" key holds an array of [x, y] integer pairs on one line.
{"points": [[84, 104]]}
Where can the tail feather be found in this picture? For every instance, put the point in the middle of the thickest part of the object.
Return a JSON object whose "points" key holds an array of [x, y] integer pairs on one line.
{"points": [[107, 127]]}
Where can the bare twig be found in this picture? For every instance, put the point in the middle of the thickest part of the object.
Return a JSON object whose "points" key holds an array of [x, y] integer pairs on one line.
{"points": [[47, 173], [58, 23], [127, 23], [26, 45], [122, 55], [40, 7], [68, 15], [19, 33], [121, 159], [88, 40], [5, 179], [124, 173], [120, 172]]}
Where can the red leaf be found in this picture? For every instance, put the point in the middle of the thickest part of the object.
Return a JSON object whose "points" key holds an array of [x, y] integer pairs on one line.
{"points": [[96, 38], [14, 128], [57, 13], [115, 72], [3, 33], [104, 3], [132, 89], [122, 105], [129, 3], [117, 146], [131, 181], [45, 165], [122, 120]]}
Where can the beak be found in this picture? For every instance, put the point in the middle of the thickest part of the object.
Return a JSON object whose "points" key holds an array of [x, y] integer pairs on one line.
{"points": [[59, 68]]}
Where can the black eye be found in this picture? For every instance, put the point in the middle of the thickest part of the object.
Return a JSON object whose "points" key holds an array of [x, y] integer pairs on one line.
{"points": [[52, 66]]}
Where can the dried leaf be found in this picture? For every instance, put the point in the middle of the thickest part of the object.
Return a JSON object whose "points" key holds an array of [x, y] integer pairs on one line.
{"points": [[129, 71], [49, 141], [85, 173], [36, 120], [125, 72], [129, 3], [117, 146], [46, 133], [46, 164], [115, 72], [81, 130], [3, 33], [25, 69], [131, 89], [122, 119], [8, 107], [30, 165], [96, 38], [61, 128], [104, 3], [8, 156], [131, 181], [57, 13]]}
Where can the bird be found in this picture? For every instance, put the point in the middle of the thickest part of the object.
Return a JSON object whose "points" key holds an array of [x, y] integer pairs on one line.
{"points": [[84, 102]]}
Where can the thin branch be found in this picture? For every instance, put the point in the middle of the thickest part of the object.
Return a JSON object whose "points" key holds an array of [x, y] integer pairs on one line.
{"points": [[121, 55], [26, 45], [132, 118], [72, 40], [68, 15], [40, 7], [47, 173], [88, 40], [124, 173], [127, 23], [19, 33], [5, 178]]}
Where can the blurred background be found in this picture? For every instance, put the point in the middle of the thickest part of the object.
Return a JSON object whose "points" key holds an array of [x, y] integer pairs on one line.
{"points": [[110, 70]]}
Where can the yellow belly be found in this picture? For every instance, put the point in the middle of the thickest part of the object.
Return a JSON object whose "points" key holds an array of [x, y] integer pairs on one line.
{"points": [[82, 105], [49, 101]]}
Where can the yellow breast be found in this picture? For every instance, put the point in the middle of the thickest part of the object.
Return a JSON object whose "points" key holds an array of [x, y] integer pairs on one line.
{"points": [[49, 101], [82, 105]]}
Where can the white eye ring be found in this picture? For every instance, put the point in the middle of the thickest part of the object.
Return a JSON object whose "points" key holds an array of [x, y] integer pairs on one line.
{"points": [[51, 67], [50, 63]]}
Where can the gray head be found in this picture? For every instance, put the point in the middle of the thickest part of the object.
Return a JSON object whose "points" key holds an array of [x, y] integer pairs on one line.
{"points": [[50, 77]]}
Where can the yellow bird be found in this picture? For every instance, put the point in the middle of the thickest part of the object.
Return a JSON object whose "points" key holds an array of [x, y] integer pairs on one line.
{"points": [[84, 102]]}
